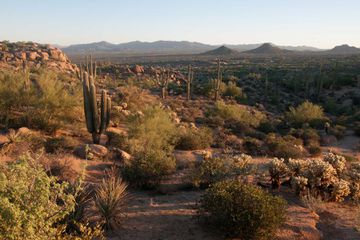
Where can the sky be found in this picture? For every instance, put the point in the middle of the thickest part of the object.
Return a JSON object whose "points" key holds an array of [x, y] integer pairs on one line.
{"points": [[318, 23]]}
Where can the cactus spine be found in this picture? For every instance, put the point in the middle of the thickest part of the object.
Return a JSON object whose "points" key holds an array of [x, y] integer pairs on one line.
{"points": [[218, 81], [96, 124]]}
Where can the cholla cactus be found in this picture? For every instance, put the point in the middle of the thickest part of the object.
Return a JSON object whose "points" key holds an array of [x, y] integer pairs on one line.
{"points": [[354, 175], [277, 169], [340, 191], [240, 163], [300, 184], [297, 166], [320, 174], [337, 161]]}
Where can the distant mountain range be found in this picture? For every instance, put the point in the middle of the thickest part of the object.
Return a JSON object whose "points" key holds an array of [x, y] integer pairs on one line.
{"points": [[185, 47]]}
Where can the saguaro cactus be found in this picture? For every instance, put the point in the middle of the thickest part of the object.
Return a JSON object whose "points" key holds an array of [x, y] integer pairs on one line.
{"points": [[189, 82], [162, 80], [218, 81], [96, 124]]}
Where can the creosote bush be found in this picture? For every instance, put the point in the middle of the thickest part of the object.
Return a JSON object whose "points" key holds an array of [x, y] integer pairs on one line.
{"points": [[234, 113], [195, 138], [212, 170], [242, 210]]}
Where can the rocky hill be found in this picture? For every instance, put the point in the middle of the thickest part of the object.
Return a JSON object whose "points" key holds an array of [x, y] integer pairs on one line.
{"points": [[268, 48], [221, 51], [343, 49], [13, 55]]}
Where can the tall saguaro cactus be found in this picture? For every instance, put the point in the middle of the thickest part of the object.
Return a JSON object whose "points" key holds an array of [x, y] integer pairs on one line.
{"points": [[189, 83], [218, 81], [96, 123], [162, 80]]}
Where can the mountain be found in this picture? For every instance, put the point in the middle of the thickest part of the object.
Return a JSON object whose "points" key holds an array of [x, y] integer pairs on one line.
{"points": [[223, 50], [137, 47], [343, 49], [268, 48], [163, 47]]}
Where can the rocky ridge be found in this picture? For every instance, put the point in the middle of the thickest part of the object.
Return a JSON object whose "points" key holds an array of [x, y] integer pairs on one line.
{"points": [[34, 55]]}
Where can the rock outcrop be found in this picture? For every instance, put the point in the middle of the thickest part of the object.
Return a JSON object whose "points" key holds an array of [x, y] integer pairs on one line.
{"points": [[34, 55]]}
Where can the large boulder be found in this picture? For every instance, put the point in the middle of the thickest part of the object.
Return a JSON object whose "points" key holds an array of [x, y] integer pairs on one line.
{"points": [[91, 151]]}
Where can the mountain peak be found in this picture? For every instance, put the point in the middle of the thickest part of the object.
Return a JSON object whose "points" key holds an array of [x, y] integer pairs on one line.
{"points": [[268, 48], [223, 50]]}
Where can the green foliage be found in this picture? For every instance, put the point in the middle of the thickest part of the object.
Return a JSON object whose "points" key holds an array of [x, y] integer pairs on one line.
{"points": [[152, 136], [45, 103], [284, 147], [236, 113], [32, 203], [194, 139], [212, 170], [243, 211], [306, 112], [233, 91]]}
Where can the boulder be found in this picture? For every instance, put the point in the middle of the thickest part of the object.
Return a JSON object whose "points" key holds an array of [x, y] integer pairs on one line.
{"points": [[24, 131], [44, 56], [32, 56], [90, 151]]}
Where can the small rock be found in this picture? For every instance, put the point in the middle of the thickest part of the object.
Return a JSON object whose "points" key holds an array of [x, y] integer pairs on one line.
{"points": [[94, 150]]}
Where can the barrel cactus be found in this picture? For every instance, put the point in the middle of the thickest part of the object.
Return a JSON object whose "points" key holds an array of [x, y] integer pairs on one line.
{"points": [[96, 123]]}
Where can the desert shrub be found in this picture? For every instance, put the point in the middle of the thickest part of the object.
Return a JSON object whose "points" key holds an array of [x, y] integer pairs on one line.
{"points": [[59, 144], [306, 112], [33, 204], [212, 170], [236, 113], [284, 147], [207, 88], [193, 139], [253, 146], [243, 211], [109, 201], [338, 131], [338, 162], [45, 103], [152, 137], [233, 91], [135, 98]]}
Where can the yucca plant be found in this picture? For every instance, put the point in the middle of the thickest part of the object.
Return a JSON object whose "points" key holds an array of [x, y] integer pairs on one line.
{"points": [[109, 201]]}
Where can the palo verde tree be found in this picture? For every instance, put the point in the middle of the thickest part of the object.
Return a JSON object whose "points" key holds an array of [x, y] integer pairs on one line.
{"points": [[96, 124]]}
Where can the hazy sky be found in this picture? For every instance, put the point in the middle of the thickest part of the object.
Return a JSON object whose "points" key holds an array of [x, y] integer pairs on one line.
{"points": [[319, 23]]}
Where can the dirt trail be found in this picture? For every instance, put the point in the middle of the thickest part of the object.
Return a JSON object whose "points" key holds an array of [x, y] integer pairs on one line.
{"points": [[157, 217], [348, 145]]}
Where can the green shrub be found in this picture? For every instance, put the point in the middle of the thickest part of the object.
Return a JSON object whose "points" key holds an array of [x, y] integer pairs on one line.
{"points": [[212, 170], [236, 113], [306, 112], [33, 204], [46, 102], [338, 131], [243, 211], [152, 136], [59, 144], [233, 91], [284, 147], [194, 139]]}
